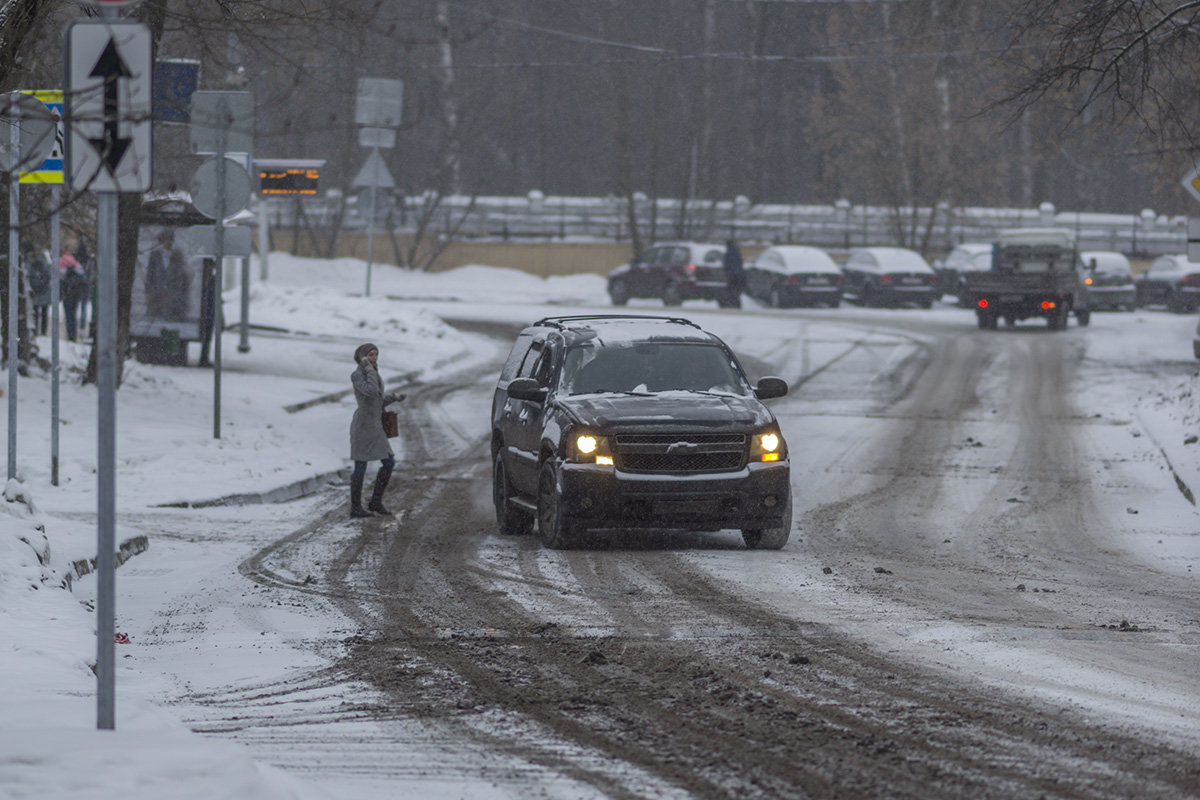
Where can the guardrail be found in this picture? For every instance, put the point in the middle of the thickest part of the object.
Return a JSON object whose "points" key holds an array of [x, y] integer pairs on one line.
{"points": [[838, 225]]}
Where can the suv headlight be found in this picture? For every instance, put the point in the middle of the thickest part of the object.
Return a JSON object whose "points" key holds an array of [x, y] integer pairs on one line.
{"points": [[589, 448], [768, 445]]}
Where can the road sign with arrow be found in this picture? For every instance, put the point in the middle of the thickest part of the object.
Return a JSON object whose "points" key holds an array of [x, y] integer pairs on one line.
{"points": [[108, 105]]}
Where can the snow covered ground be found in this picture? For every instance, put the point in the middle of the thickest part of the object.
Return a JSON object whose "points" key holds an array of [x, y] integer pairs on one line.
{"points": [[167, 455]]}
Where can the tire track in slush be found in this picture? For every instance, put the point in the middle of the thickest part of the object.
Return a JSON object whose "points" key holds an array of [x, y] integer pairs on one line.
{"points": [[443, 639]]}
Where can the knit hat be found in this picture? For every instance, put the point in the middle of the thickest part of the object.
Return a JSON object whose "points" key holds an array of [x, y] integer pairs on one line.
{"points": [[361, 351]]}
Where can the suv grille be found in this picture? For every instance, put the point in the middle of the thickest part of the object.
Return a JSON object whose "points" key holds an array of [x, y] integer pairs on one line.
{"points": [[704, 452]]}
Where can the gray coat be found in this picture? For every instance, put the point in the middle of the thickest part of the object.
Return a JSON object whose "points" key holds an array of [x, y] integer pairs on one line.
{"points": [[368, 442]]}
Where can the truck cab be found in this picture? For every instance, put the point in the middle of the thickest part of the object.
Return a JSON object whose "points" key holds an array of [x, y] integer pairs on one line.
{"points": [[1035, 272]]}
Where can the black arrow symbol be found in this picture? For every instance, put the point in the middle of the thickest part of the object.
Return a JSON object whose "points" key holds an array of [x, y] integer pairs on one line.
{"points": [[110, 67]]}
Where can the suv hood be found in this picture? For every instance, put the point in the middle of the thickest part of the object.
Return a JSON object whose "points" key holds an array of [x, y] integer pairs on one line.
{"points": [[679, 409]]}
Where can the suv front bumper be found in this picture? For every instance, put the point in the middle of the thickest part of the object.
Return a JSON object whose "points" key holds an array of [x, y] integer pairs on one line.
{"points": [[603, 497]]}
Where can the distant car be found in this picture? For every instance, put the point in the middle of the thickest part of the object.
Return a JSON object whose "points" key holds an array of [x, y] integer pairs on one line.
{"points": [[962, 258], [792, 275], [1170, 281], [674, 272], [889, 276], [1109, 280]]}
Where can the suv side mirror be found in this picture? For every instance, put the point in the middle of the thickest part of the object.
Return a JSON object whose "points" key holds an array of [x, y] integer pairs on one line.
{"points": [[527, 389], [770, 387]]}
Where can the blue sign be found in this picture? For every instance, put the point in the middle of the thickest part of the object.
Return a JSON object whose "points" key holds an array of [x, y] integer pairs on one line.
{"points": [[175, 81]]}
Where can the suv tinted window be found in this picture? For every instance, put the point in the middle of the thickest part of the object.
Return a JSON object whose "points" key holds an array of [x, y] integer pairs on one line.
{"points": [[516, 355], [531, 357], [651, 368], [543, 369]]}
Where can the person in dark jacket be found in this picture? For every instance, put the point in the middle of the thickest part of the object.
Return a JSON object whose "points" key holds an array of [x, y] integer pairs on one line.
{"points": [[735, 273], [368, 442], [39, 291], [74, 291]]}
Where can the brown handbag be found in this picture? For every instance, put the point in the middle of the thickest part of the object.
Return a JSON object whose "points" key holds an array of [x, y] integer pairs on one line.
{"points": [[391, 424]]}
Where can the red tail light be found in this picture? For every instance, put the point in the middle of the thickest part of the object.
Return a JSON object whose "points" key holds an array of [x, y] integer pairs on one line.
{"points": [[691, 267], [887, 280], [1047, 305], [983, 303], [1191, 279], [793, 279]]}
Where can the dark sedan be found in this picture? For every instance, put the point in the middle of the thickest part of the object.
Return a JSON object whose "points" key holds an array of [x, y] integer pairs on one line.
{"points": [[889, 276], [1171, 281], [793, 275]]}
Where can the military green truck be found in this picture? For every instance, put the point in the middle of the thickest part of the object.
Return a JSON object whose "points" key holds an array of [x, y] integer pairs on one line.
{"points": [[1035, 272]]}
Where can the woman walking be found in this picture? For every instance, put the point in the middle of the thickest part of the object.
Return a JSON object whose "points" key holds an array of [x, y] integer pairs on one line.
{"points": [[368, 442]]}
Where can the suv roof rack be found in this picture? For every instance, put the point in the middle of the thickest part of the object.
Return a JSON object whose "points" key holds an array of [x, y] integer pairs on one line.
{"points": [[563, 322]]}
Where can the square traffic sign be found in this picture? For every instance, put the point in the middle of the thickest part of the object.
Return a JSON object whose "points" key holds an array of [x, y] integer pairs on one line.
{"points": [[108, 105]]}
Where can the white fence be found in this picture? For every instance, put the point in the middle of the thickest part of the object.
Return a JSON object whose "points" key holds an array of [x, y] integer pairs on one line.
{"points": [[840, 225]]}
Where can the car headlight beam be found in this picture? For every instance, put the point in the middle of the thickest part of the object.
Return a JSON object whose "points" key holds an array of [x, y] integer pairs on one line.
{"points": [[587, 447], [768, 445]]}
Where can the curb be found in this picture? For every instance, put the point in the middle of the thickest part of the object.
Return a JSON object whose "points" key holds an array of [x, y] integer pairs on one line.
{"points": [[281, 494], [85, 566]]}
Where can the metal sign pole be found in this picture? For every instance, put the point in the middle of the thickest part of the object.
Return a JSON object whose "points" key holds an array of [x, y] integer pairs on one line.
{"points": [[244, 336], [55, 246], [370, 238], [106, 362], [264, 236], [218, 305], [14, 200]]}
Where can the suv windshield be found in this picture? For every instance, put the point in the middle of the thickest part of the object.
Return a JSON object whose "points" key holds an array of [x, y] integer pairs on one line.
{"points": [[650, 367]]}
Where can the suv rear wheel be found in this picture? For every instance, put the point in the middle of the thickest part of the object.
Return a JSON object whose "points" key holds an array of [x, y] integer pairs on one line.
{"points": [[552, 528], [770, 538], [511, 520]]}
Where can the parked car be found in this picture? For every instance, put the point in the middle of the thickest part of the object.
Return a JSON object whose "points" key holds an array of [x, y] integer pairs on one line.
{"points": [[966, 256], [1170, 281], [889, 276], [792, 275], [674, 272], [1110, 280], [609, 422]]}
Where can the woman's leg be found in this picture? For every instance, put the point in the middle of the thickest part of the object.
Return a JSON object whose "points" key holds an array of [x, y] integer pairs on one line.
{"points": [[356, 486], [381, 481]]}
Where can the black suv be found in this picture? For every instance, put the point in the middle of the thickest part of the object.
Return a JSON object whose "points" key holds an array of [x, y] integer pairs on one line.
{"points": [[618, 422]]}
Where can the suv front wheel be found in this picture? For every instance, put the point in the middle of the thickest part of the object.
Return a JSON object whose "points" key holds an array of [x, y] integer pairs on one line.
{"points": [[771, 538], [553, 529]]}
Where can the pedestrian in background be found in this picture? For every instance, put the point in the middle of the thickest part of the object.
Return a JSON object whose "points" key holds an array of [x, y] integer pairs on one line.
{"points": [[74, 292], [87, 326], [735, 273], [39, 290], [368, 441]]}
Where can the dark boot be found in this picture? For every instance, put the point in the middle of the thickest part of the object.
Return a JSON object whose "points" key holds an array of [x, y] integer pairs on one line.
{"points": [[356, 508], [381, 482]]}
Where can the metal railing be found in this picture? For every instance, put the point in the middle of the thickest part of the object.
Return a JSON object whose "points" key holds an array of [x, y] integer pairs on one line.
{"points": [[839, 225]]}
